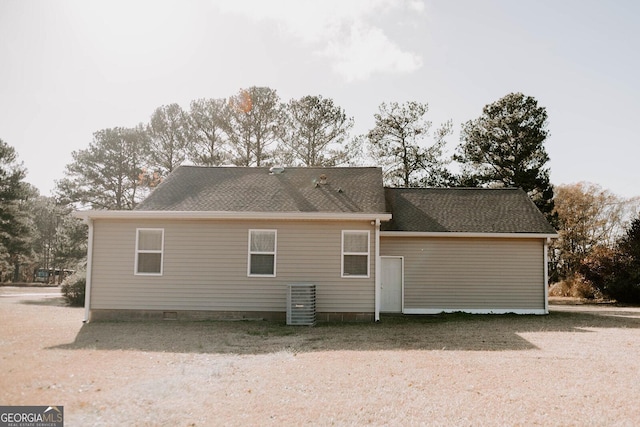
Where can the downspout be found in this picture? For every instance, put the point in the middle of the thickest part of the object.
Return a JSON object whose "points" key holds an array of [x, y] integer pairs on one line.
{"points": [[546, 275], [377, 271], [87, 292]]}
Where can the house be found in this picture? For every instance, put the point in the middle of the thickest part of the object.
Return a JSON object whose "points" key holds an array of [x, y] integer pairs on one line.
{"points": [[224, 242]]}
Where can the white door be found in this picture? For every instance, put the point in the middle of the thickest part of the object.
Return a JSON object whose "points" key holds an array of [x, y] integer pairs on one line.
{"points": [[391, 285]]}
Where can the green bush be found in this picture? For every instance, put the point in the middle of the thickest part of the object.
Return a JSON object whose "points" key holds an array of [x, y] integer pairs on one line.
{"points": [[73, 289], [626, 291]]}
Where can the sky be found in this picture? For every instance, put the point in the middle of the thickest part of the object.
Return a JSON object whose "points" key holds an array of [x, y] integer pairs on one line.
{"points": [[69, 68]]}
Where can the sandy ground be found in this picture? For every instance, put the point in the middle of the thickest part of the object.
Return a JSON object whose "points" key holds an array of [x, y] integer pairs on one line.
{"points": [[578, 366]]}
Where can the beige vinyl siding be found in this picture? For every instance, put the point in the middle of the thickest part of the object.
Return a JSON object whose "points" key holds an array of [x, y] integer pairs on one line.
{"points": [[205, 267], [470, 273]]}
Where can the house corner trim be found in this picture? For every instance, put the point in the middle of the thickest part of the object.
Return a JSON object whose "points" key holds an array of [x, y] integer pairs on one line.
{"points": [[87, 292], [377, 271]]}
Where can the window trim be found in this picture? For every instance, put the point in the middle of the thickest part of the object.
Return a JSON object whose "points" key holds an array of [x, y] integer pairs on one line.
{"points": [[368, 254], [149, 251], [274, 253]]}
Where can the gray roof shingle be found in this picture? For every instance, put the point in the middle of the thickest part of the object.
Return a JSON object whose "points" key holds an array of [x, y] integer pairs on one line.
{"points": [[250, 189], [347, 190], [472, 210]]}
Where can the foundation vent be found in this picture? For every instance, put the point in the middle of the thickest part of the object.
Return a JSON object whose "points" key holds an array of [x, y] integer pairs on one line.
{"points": [[301, 304], [169, 315]]}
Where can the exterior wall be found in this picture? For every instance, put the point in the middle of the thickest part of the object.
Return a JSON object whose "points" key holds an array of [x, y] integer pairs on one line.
{"points": [[205, 267], [478, 275]]}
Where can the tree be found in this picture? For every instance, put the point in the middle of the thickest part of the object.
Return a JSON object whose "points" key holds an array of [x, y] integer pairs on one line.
{"points": [[316, 129], [397, 145], [107, 175], [505, 146], [61, 240], [207, 121], [588, 217], [354, 153], [45, 217], [616, 272], [256, 120], [169, 135], [16, 230], [70, 244], [629, 244]]}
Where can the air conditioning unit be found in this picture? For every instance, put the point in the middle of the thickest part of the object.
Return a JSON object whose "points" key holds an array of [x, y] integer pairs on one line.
{"points": [[301, 304]]}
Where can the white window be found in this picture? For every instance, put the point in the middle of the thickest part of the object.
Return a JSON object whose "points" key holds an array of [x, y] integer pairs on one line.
{"points": [[262, 253], [355, 254], [149, 251]]}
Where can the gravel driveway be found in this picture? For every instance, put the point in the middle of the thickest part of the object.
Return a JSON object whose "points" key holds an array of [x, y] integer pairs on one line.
{"points": [[578, 366]]}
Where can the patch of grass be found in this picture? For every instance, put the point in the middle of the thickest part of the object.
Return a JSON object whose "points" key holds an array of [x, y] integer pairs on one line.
{"points": [[273, 330], [437, 318]]}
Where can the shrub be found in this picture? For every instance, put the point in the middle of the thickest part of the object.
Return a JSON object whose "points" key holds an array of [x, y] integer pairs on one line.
{"points": [[627, 291], [560, 289], [575, 286], [73, 289], [585, 290]]}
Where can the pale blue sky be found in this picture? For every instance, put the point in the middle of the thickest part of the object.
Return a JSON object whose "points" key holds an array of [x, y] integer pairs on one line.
{"points": [[70, 68]]}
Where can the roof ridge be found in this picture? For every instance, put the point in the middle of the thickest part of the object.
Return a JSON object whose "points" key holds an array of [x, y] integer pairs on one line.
{"points": [[454, 188], [231, 167], [305, 189]]}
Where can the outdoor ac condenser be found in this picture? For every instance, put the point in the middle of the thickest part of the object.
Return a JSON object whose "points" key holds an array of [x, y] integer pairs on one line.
{"points": [[301, 304]]}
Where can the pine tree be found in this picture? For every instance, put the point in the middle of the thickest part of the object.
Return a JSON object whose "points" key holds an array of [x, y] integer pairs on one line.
{"points": [[505, 147]]}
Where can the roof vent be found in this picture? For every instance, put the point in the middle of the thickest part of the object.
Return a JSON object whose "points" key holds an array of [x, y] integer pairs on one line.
{"points": [[276, 170]]}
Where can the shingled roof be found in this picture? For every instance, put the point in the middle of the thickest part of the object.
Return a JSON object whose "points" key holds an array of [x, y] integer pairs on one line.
{"points": [[250, 189], [465, 210]]}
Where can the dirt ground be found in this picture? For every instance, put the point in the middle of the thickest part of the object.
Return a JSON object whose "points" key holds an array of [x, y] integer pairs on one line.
{"points": [[578, 366]]}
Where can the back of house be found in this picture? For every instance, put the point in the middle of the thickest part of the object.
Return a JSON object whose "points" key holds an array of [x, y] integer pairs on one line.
{"points": [[226, 242]]}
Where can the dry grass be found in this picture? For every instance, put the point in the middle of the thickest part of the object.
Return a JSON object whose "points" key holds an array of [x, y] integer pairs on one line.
{"points": [[578, 366]]}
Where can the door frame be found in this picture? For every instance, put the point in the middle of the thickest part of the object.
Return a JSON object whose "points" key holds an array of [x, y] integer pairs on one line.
{"points": [[401, 258]]}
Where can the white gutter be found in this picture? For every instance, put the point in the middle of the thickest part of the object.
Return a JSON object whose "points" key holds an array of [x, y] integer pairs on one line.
{"points": [[87, 292], [546, 276], [377, 272], [468, 234], [301, 216]]}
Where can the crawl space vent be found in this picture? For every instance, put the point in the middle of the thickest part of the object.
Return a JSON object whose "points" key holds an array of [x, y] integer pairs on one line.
{"points": [[301, 304]]}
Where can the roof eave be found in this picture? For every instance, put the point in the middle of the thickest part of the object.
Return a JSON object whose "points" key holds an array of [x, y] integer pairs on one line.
{"points": [[326, 216], [468, 234]]}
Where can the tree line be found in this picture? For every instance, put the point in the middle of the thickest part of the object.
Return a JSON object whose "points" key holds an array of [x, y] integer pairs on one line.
{"points": [[504, 146]]}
